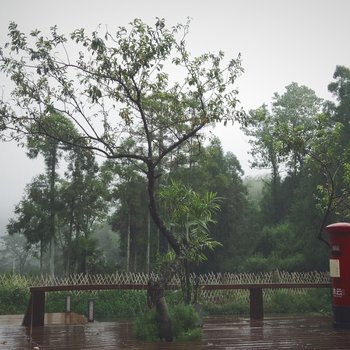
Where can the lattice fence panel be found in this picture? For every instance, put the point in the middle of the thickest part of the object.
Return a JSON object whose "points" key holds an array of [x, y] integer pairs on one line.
{"points": [[215, 296]]}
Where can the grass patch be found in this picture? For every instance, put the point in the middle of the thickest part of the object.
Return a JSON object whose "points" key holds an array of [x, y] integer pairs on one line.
{"points": [[234, 308], [281, 301], [313, 301]]}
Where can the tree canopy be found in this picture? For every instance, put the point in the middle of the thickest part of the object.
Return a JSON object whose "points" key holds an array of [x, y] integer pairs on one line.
{"points": [[121, 91]]}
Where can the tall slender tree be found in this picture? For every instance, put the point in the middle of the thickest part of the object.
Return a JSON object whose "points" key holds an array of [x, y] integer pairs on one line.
{"points": [[32, 216], [84, 199], [49, 149]]}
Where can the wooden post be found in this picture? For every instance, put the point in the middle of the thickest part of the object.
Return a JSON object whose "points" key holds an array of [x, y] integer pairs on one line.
{"points": [[68, 303], [35, 314], [256, 304], [91, 311]]}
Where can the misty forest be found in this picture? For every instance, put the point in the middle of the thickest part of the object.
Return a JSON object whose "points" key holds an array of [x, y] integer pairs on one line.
{"points": [[134, 179]]}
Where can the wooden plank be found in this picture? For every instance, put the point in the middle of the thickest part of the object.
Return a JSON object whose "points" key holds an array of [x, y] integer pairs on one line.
{"points": [[266, 286], [88, 287]]}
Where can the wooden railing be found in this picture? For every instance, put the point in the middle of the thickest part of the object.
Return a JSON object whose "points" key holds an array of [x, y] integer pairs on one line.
{"points": [[143, 278], [211, 284]]}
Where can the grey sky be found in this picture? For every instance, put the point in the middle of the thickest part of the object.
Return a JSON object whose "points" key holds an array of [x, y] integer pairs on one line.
{"points": [[280, 41]]}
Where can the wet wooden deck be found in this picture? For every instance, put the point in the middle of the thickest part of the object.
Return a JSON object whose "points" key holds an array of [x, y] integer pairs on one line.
{"points": [[72, 332]]}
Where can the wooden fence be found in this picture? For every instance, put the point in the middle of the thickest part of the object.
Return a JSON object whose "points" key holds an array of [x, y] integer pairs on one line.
{"points": [[215, 295]]}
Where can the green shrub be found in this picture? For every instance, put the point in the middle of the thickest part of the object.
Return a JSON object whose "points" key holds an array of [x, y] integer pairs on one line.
{"points": [[108, 304], [56, 302], [313, 301], [120, 304], [174, 297], [13, 300], [184, 321], [145, 326]]}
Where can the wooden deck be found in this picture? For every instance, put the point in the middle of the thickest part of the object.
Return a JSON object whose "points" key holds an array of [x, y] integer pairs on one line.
{"points": [[282, 332]]}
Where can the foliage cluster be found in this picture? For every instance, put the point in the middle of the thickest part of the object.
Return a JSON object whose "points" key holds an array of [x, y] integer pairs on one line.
{"points": [[304, 141], [184, 320], [108, 304], [14, 296]]}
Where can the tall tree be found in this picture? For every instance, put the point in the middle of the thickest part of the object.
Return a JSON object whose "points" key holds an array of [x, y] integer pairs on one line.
{"points": [[50, 150], [209, 169], [331, 151], [130, 216], [120, 87], [291, 120], [265, 153], [83, 197], [295, 113], [323, 139], [340, 90], [32, 216], [223, 176]]}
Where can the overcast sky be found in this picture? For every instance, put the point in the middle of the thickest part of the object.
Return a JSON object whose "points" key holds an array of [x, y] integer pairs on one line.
{"points": [[281, 41]]}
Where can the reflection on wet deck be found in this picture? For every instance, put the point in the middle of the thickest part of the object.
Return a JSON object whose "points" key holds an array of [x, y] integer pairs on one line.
{"points": [[72, 332], [50, 318]]}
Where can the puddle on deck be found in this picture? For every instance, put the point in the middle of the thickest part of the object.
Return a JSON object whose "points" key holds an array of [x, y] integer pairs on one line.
{"points": [[50, 318], [73, 332]]}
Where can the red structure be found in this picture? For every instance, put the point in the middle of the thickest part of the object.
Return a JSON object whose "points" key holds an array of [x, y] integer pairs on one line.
{"points": [[340, 273]]}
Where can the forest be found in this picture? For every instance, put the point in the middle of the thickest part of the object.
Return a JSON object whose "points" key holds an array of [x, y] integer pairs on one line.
{"points": [[87, 214]]}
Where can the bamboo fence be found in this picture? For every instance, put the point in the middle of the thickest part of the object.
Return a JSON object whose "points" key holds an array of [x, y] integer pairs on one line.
{"points": [[214, 296]]}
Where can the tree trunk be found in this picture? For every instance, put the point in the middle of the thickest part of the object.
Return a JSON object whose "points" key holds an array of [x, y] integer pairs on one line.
{"points": [[41, 255], [157, 288], [128, 246], [68, 259], [148, 255], [274, 193], [52, 256], [52, 209], [157, 299], [187, 282], [187, 286]]}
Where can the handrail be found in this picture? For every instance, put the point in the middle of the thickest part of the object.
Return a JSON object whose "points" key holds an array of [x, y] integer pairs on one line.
{"points": [[36, 308], [111, 286]]}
